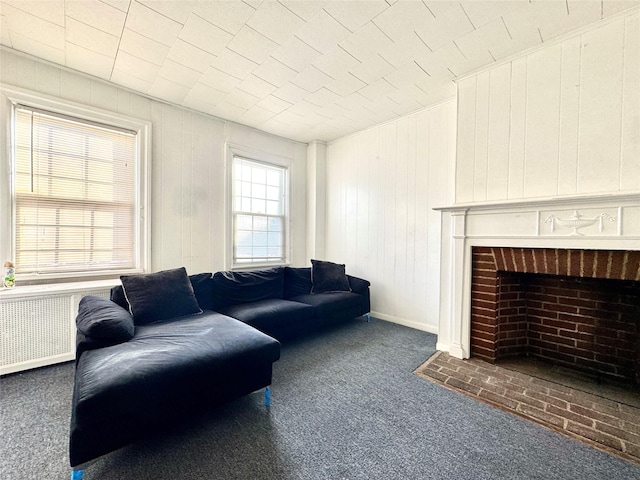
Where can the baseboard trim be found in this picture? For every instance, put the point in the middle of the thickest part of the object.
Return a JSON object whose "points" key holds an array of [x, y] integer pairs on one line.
{"points": [[407, 323]]}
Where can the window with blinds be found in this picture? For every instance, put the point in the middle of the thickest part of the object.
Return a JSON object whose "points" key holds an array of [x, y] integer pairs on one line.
{"points": [[259, 212], [75, 194]]}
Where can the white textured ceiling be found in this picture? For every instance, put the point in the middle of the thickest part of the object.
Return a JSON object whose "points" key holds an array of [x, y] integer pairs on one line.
{"points": [[305, 70]]}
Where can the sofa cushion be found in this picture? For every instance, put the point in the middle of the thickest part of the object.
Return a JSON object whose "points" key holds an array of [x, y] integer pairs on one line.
{"points": [[328, 277], [202, 284], [159, 296], [166, 362], [103, 321], [333, 305], [117, 296], [270, 315], [232, 288], [297, 281], [202, 287]]}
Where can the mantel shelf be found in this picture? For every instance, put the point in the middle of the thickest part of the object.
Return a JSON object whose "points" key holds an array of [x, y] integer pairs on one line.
{"points": [[562, 201]]}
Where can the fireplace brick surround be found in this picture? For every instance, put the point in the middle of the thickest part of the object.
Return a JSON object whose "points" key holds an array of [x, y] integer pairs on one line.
{"points": [[572, 307]]}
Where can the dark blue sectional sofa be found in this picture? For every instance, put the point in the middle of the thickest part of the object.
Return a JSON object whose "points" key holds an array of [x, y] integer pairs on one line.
{"points": [[167, 346]]}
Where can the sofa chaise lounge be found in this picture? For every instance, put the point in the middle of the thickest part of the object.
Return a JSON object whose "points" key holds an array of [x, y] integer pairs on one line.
{"points": [[167, 345]]}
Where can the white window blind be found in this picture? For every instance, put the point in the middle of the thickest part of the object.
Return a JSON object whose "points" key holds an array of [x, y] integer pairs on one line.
{"points": [[259, 212], [74, 194]]}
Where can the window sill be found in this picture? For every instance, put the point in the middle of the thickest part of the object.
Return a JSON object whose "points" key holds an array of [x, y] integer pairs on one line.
{"points": [[56, 288]]}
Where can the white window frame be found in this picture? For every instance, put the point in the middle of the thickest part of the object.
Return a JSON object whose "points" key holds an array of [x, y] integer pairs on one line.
{"points": [[10, 97], [232, 151]]}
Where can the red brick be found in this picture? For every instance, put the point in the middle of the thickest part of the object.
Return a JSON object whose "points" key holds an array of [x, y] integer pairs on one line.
{"points": [[562, 324], [437, 375], [553, 355], [491, 289], [570, 415], [541, 415], [490, 281], [476, 325], [601, 260], [542, 314], [593, 414], [558, 340], [467, 387], [484, 312], [498, 399], [596, 436], [483, 304], [487, 296], [633, 450], [543, 329], [484, 336], [487, 354]]}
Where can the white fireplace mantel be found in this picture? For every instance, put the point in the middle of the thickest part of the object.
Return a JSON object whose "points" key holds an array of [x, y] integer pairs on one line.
{"points": [[595, 222]]}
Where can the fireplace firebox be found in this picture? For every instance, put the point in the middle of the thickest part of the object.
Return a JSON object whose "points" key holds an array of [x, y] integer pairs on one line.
{"points": [[570, 307]]}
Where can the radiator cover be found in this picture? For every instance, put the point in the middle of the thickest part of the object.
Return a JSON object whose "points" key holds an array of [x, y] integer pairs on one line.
{"points": [[38, 330]]}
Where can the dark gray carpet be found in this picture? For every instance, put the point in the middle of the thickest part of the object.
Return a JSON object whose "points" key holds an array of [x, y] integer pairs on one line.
{"points": [[345, 406]]}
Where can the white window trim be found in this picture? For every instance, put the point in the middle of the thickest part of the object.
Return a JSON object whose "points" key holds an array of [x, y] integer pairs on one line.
{"points": [[11, 96], [231, 151]]}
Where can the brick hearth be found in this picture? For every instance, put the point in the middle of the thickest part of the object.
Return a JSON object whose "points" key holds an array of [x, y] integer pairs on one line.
{"points": [[604, 423]]}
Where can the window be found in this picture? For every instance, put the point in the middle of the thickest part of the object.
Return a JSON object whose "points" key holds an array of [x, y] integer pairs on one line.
{"points": [[259, 212], [77, 195]]}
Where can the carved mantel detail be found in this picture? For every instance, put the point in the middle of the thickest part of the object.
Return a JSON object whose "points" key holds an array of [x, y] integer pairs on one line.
{"points": [[577, 221]]}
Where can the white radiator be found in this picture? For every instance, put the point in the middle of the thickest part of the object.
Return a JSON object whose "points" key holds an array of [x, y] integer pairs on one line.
{"points": [[37, 328]]}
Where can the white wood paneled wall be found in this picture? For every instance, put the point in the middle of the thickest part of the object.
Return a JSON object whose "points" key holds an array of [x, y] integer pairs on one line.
{"points": [[381, 186], [563, 120], [187, 164]]}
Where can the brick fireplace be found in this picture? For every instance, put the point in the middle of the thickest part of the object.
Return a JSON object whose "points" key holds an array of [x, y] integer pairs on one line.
{"points": [[578, 308], [556, 280], [593, 238]]}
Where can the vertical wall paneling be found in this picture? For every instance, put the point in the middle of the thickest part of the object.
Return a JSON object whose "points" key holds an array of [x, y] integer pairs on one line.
{"points": [[390, 220], [466, 140], [482, 137], [350, 185], [569, 117], [400, 271], [601, 108], [630, 156], [573, 119], [124, 102], [316, 199], [157, 187], [498, 135], [201, 194], [47, 79], [542, 123], [517, 132], [411, 242], [382, 185], [104, 96], [171, 187], [427, 183], [75, 88], [188, 208]]}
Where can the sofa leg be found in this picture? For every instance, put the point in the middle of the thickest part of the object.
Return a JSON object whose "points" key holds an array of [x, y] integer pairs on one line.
{"points": [[368, 317], [267, 397], [77, 474]]}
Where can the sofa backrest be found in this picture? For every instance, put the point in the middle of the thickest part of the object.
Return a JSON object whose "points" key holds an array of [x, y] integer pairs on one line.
{"points": [[232, 288], [297, 281]]}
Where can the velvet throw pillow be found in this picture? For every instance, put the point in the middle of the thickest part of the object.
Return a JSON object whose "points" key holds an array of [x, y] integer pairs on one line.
{"points": [[328, 277], [159, 296], [104, 321]]}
